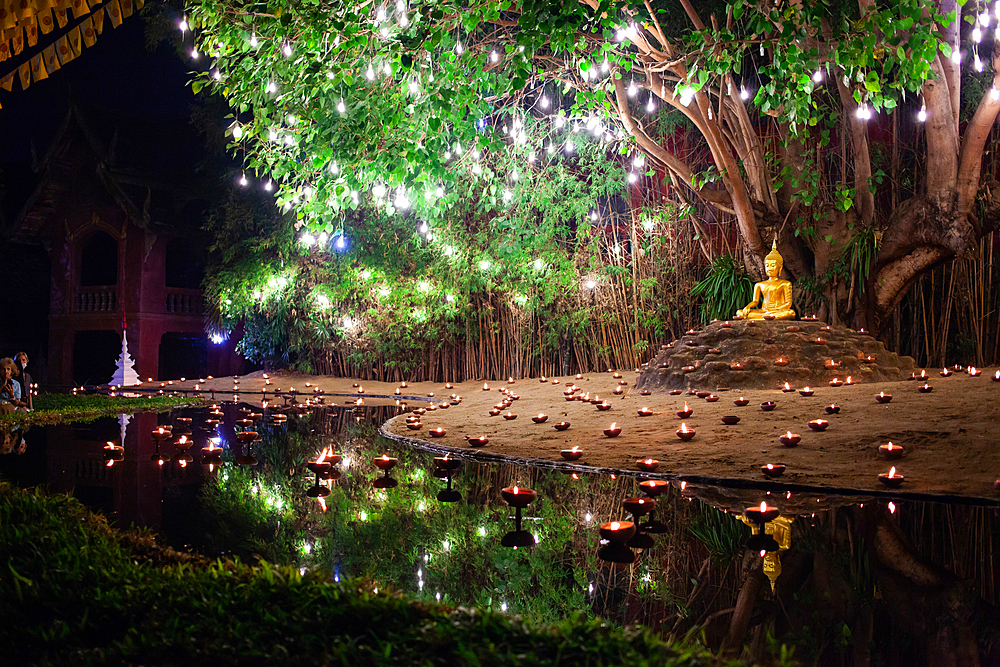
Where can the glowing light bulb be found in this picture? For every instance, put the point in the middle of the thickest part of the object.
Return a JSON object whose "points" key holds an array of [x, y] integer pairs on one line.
{"points": [[632, 89], [994, 94], [922, 115], [817, 76], [978, 64], [545, 102], [243, 180], [651, 106], [341, 107], [459, 48], [569, 148], [253, 40], [414, 87], [632, 178], [287, 50], [956, 56], [194, 54], [484, 265], [744, 95], [977, 35], [494, 56], [270, 87], [370, 73], [183, 25]]}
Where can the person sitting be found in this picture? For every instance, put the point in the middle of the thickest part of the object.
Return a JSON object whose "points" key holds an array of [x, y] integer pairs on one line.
{"points": [[774, 295], [10, 389], [22, 377]]}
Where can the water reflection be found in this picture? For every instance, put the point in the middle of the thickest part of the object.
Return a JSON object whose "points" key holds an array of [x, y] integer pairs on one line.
{"points": [[840, 578]]}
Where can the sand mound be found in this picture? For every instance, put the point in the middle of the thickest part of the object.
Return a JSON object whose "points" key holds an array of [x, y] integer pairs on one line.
{"points": [[764, 355]]}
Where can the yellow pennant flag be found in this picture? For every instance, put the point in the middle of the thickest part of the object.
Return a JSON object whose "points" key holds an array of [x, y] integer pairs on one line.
{"points": [[24, 72], [126, 8], [89, 34], [80, 8], [115, 12], [99, 21], [4, 50], [17, 40], [64, 51], [74, 41], [50, 59], [62, 17], [38, 68], [31, 31], [46, 23], [7, 15], [7, 82], [139, 4]]}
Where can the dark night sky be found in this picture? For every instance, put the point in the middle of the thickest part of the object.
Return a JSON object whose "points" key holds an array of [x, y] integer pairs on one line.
{"points": [[117, 76]]}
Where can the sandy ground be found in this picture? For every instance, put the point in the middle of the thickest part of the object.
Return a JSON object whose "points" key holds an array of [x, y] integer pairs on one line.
{"points": [[950, 436]]}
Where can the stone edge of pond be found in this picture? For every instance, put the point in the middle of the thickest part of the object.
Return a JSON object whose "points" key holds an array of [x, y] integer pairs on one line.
{"points": [[483, 456]]}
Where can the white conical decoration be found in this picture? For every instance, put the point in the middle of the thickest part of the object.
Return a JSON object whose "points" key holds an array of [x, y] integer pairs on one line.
{"points": [[123, 422], [125, 375]]}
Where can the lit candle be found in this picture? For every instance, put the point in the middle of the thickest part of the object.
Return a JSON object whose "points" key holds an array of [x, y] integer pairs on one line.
{"points": [[761, 514], [481, 441], [849, 380], [685, 413], [685, 433], [996, 376], [773, 470], [819, 424], [790, 439], [740, 402], [539, 418], [618, 391], [711, 398], [509, 416], [891, 480], [806, 391], [945, 372], [518, 497], [385, 463], [787, 388], [613, 431], [617, 532], [832, 409], [647, 465], [603, 406], [890, 451], [572, 454], [561, 426], [767, 406], [925, 388], [653, 487], [836, 383], [437, 432], [486, 387], [883, 397], [974, 372], [781, 361]]}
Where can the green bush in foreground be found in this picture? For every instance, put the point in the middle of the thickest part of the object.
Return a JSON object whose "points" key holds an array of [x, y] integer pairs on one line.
{"points": [[74, 591]]}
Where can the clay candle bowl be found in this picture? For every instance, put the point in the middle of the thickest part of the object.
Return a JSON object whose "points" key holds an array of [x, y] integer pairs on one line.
{"points": [[890, 451], [849, 381], [806, 391], [481, 441], [539, 418], [819, 424], [509, 416], [618, 391], [385, 463], [645, 392], [654, 487], [447, 463], [836, 383], [246, 436], [570, 397], [639, 507], [883, 397], [832, 409], [767, 406], [561, 426], [890, 479], [685, 413], [613, 431], [319, 467], [772, 470], [572, 454], [518, 497], [644, 412], [436, 432], [414, 426], [831, 365], [494, 412], [790, 439], [617, 532], [486, 387], [711, 398], [676, 392], [730, 420], [647, 465], [702, 394], [762, 513], [787, 388], [781, 361], [945, 372], [685, 433], [741, 402], [737, 366], [925, 388], [603, 406]]}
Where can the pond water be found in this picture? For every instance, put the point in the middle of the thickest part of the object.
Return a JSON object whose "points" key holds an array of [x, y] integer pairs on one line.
{"points": [[855, 579]]}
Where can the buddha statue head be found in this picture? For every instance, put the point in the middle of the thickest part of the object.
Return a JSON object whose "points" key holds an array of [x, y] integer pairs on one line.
{"points": [[773, 262]]}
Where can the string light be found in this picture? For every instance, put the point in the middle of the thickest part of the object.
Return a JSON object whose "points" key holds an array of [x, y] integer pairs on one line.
{"points": [[545, 102], [194, 54], [341, 107], [922, 114], [978, 64], [956, 56], [817, 76], [458, 48], [287, 50], [243, 180], [270, 88], [253, 40], [994, 94], [744, 94], [370, 73], [494, 56], [650, 106], [977, 35], [632, 89], [183, 25]]}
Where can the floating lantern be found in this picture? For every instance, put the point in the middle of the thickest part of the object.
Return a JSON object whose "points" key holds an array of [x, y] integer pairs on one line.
{"points": [[561, 426], [891, 479], [819, 424], [790, 439], [767, 406], [772, 470], [647, 465], [685, 412], [613, 431], [730, 420], [539, 418], [806, 391], [883, 397], [572, 454], [685, 433], [890, 451], [518, 497], [741, 402], [481, 441]]}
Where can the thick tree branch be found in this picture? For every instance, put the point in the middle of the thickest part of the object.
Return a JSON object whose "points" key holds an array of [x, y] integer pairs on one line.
{"points": [[942, 138], [970, 160]]}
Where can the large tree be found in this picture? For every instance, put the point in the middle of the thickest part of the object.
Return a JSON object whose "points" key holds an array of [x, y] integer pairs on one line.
{"points": [[341, 103]]}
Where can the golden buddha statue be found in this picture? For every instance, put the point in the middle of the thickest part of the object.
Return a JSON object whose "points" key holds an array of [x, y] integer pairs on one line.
{"points": [[774, 294]]}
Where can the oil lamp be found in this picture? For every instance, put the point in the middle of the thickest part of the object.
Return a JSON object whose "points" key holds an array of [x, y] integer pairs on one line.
{"points": [[832, 409], [572, 454], [819, 424], [890, 479], [481, 441], [730, 420], [561, 426], [540, 418], [806, 391], [647, 465], [437, 432], [613, 431], [772, 470], [925, 388], [883, 397], [741, 402], [509, 416], [890, 451], [644, 411], [685, 413], [767, 406], [790, 439], [787, 388], [685, 433]]}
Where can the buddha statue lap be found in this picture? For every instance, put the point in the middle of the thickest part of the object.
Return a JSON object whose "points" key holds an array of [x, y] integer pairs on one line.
{"points": [[771, 297]]}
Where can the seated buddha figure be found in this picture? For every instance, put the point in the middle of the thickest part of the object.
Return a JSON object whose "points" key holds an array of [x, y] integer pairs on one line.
{"points": [[773, 295]]}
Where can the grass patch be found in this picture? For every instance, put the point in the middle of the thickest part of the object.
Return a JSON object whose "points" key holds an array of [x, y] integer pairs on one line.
{"points": [[54, 408], [73, 590]]}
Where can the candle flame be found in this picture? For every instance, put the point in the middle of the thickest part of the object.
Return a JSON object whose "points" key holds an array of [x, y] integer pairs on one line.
{"points": [[683, 485], [763, 552], [684, 427], [649, 461], [770, 466], [614, 525], [540, 415], [515, 489], [485, 386], [806, 388], [686, 408], [576, 448], [111, 462], [890, 445], [882, 394], [184, 463], [211, 467], [385, 457], [972, 370], [788, 434], [614, 425], [787, 386], [892, 472], [322, 502], [763, 507], [183, 439], [892, 507]]}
